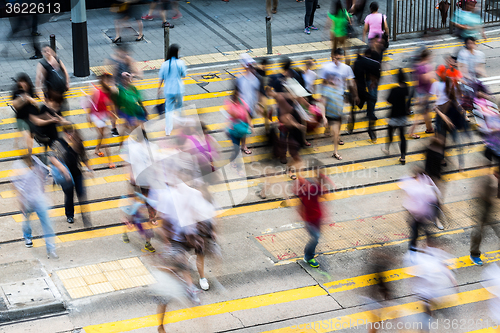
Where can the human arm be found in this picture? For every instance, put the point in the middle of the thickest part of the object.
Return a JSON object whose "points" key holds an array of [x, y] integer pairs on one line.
{"points": [[366, 28], [441, 112], [40, 77], [60, 167], [386, 27], [65, 74]]}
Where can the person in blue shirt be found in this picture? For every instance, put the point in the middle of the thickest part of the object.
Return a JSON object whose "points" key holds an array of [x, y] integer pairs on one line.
{"points": [[171, 73], [468, 21]]}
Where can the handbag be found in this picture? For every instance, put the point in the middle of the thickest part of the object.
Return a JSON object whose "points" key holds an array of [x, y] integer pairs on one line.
{"points": [[240, 129], [385, 36], [349, 29]]}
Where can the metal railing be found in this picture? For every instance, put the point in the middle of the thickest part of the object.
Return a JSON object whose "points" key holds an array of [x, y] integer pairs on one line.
{"points": [[423, 16]]}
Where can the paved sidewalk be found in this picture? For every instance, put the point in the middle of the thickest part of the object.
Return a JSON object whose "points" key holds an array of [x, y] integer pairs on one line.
{"points": [[207, 27]]}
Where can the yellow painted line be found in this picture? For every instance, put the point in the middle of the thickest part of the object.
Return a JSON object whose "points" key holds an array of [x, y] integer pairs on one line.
{"points": [[202, 311], [487, 330], [387, 313], [400, 274]]}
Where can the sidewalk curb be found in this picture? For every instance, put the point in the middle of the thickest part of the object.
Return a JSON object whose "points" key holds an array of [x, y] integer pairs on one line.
{"points": [[32, 311]]}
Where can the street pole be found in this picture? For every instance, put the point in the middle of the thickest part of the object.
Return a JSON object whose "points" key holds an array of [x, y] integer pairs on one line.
{"points": [[389, 15], [166, 40], [80, 39], [269, 36]]}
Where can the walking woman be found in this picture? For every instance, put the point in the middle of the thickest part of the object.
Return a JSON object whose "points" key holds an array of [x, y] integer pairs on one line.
{"points": [[101, 110], [332, 98], [424, 75], [240, 122], [171, 73], [24, 103], [70, 151], [375, 23], [397, 118], [338, 18], [309, 18]]}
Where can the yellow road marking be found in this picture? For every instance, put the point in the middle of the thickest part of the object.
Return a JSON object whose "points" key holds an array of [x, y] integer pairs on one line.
{"points": [[388, 313], [253, 302], [400, 274]]}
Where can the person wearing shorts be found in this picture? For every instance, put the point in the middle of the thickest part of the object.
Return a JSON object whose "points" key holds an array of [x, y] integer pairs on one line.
{"points": [[101, 109], [332, 98]]}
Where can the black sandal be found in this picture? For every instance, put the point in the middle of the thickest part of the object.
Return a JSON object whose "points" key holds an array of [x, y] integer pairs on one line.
{"points": [[117, 40]]}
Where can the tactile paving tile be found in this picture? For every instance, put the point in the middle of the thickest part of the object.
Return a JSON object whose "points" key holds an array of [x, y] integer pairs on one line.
{"points": [[105, 277], [365, 231]]}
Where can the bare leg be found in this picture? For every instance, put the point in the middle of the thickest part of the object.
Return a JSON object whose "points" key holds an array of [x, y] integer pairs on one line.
{"points": [[152, 8], [336, 136], [141, 26], [161, 316], [118, 27], [200, 265]]}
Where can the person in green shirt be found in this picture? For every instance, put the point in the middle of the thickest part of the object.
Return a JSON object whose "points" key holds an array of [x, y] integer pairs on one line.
{"points": [[129, 103], [338, 18]]}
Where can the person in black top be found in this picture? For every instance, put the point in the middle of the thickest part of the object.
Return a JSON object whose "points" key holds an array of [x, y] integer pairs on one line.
{"points": [[70, 151], [366, 74], [397, 118], [42, 122], [24, 103]]}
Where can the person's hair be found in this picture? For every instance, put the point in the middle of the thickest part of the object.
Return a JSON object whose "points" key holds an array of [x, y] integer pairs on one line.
{"points": [[173, 52], [338, 51], [287, 63], [373, 7], [426, 53], [264, 61], [47, 45], [338, 8], [401, 77], [368, 52], [236, 92], [470, 38], [53, 96], [23, 77], [71, 130], [102, 78], [309, 60]]}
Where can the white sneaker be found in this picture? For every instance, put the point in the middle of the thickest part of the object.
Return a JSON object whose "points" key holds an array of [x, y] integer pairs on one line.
{"points": [[204, 284]]}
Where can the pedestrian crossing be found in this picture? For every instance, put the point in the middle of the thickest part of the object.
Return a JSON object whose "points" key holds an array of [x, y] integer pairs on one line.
{"points": [[367, 156]]}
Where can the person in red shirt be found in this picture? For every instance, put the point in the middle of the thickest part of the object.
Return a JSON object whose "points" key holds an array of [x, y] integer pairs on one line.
{"points": [[311, 210]]}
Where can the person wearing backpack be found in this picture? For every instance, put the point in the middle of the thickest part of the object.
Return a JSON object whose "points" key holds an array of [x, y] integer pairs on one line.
{"points": [[171, 73], [51, 73]]}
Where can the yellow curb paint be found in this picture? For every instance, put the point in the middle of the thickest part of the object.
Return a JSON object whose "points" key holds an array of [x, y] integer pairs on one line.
{"points": [[202, 311], [387, 313]]}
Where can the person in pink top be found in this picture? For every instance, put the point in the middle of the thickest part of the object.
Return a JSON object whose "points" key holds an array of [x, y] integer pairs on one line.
{"points": [[373, 23], [240, 121]]}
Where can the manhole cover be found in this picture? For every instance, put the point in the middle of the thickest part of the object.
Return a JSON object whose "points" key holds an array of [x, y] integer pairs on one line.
{"points": [[26, 292]]}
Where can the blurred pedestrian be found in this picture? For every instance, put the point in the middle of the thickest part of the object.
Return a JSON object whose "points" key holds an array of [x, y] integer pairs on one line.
{"points": [[29, 182], [126, 11], [422, 196], [491, 281], [129, 103], [365, 70], [25, 22], [398, 116], [165, 7], [42, 121], [471, 62], [271, 7], [171, 73], [311, 210], [51, 73], [424, 75], [332, 99], [70, 151], [468, 21], [485, 217], [240, 122], [24, 104], [136, 216], [311, 6], [338, 19], [101, 109], [356, 8], [375, 23], [372, 77]]}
